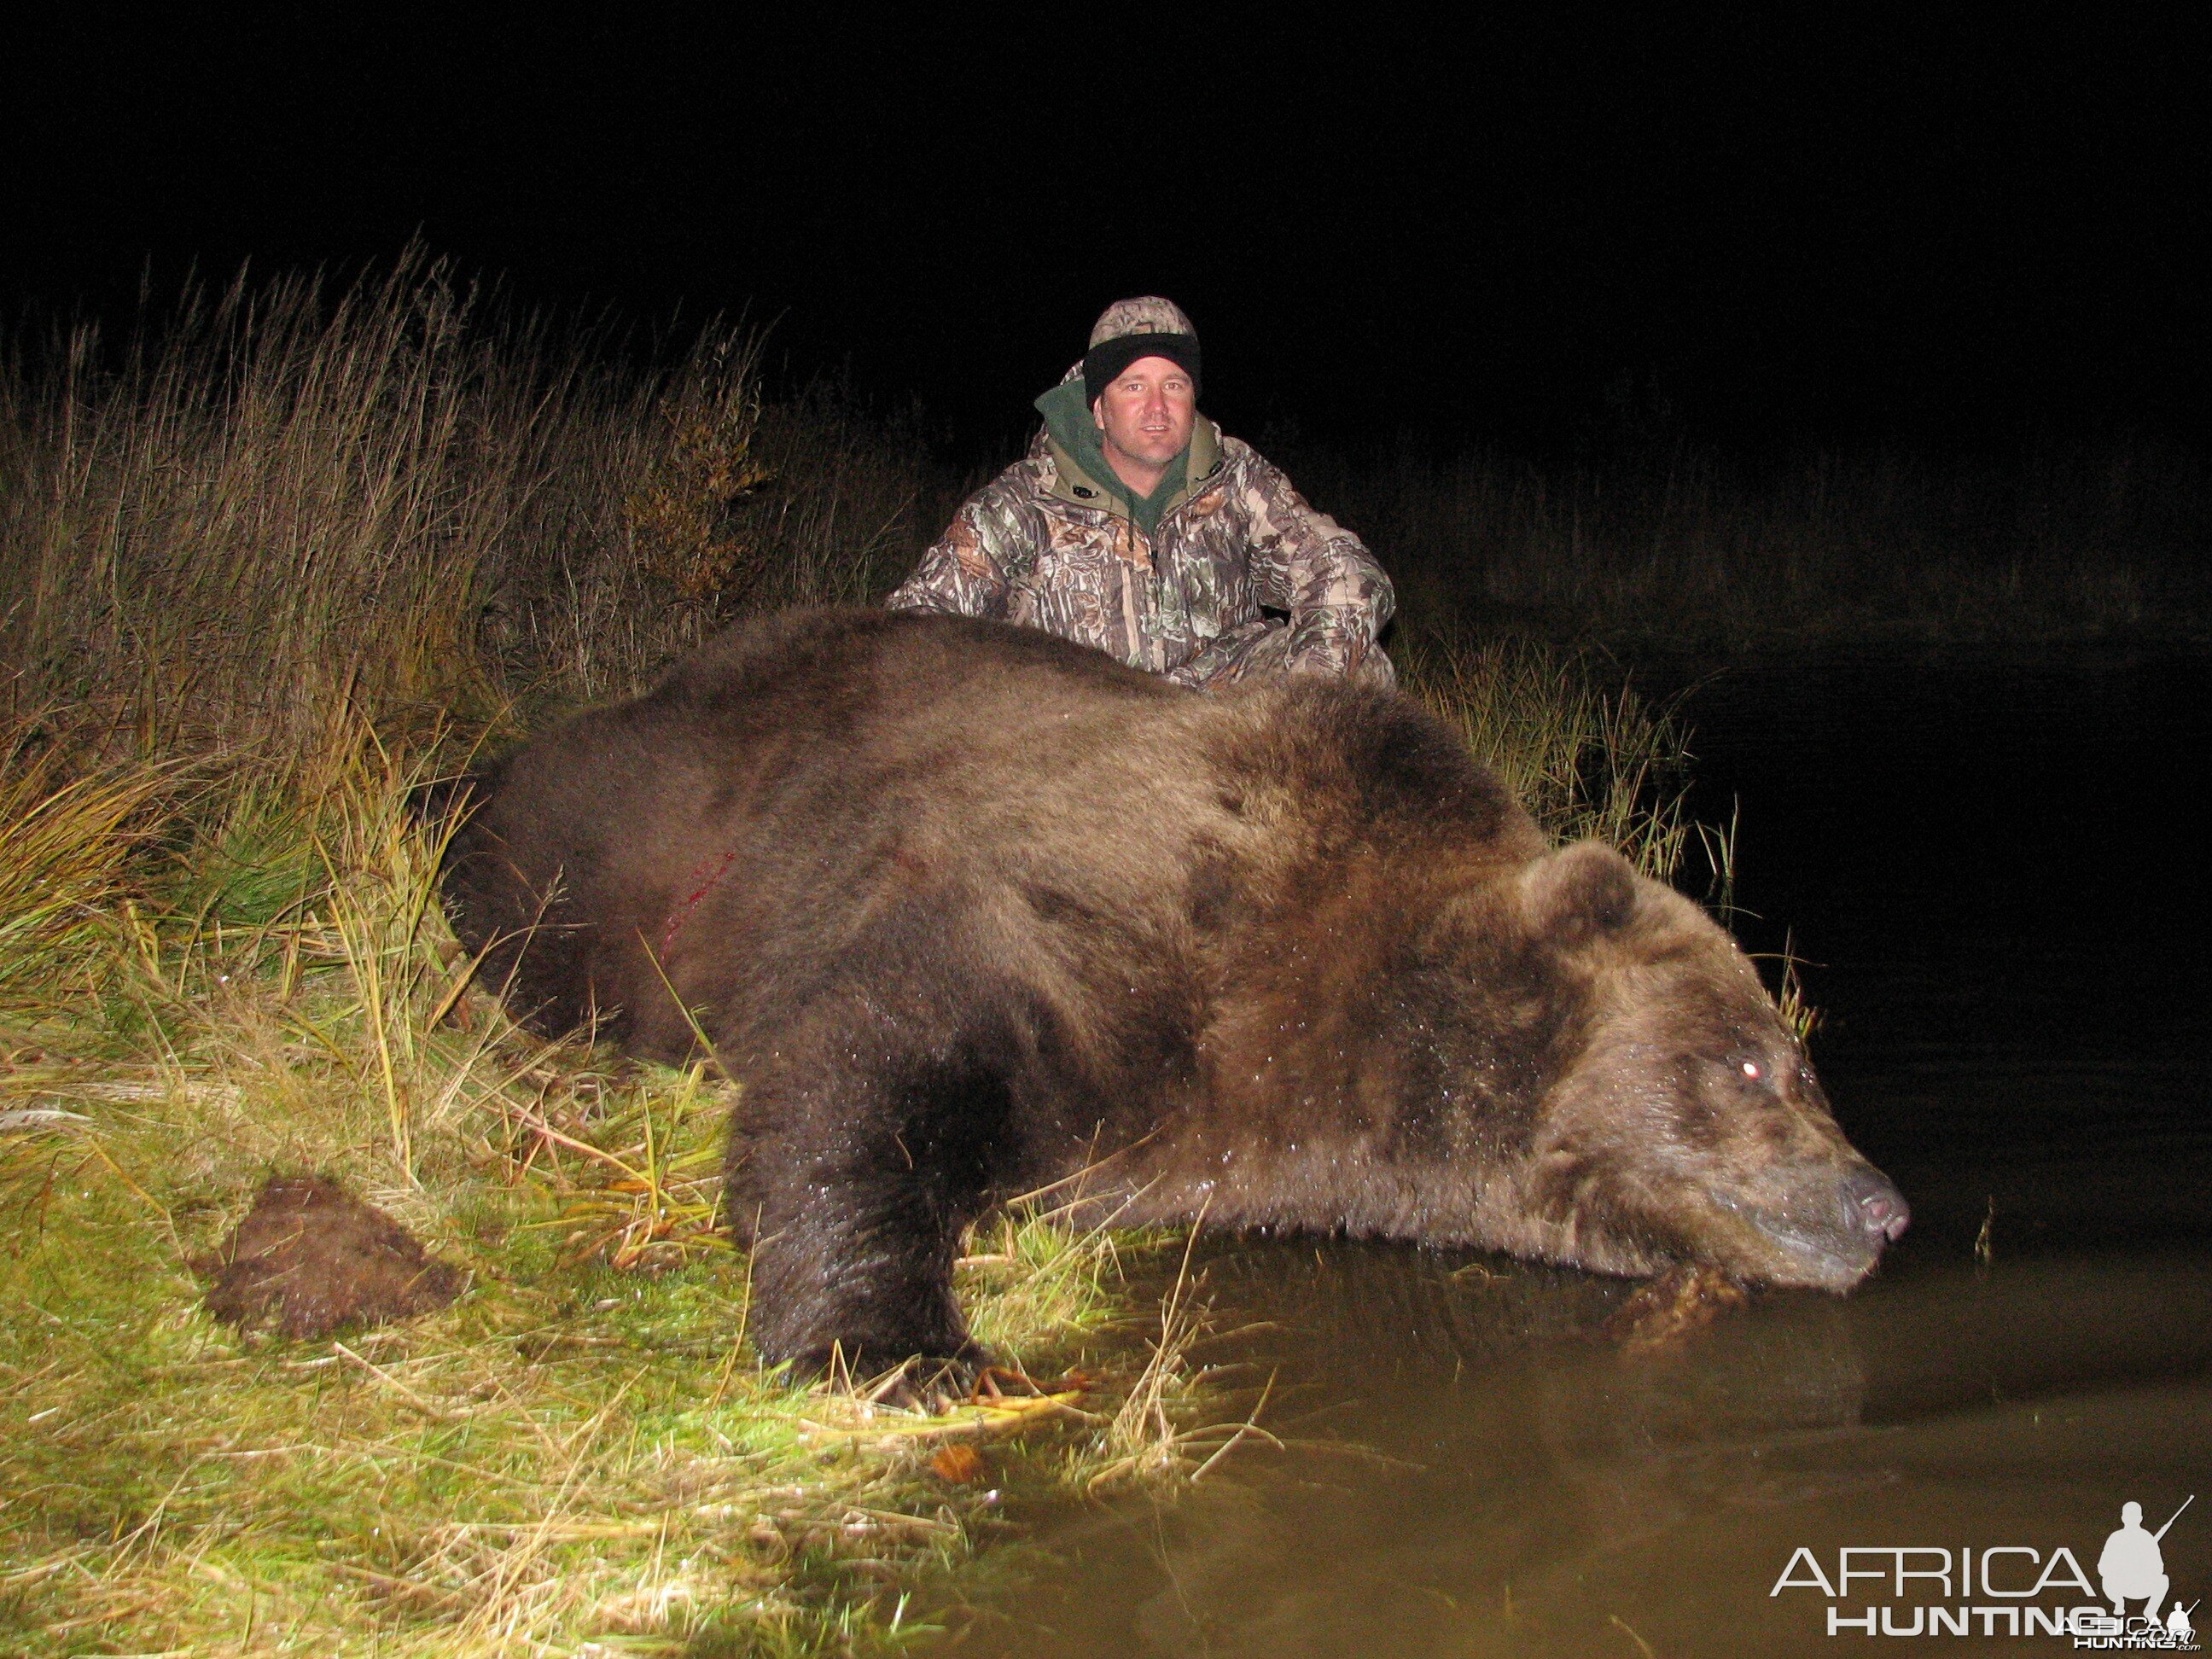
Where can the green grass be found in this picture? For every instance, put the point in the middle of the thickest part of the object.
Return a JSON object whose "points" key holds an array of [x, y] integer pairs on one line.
{"points": [[290, 551], [580, 1448]]}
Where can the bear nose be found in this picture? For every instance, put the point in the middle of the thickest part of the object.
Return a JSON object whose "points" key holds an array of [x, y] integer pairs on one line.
{"points": [[1876, 1207]]}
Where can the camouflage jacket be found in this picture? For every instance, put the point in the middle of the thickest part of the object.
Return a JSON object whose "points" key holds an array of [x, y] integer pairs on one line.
{"points": [[1044, 545]]}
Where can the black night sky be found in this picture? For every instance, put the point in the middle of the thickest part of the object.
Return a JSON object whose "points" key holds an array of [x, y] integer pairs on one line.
{"points": [[1939, 233]]}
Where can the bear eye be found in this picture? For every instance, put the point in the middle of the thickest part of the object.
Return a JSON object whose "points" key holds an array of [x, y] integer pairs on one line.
{"points": [[1753, 1070]]}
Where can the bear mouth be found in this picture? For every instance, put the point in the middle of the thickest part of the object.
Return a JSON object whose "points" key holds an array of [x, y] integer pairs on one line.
{"points": [[1827, 1262], [1827, 1239], [1786, 1251]]}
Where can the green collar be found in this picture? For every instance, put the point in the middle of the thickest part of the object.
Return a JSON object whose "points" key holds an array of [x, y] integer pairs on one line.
{"points": [[1086, 478]]}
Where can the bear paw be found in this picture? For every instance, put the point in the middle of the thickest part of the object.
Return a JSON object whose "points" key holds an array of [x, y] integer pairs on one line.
{"points": [[923, 1383]]}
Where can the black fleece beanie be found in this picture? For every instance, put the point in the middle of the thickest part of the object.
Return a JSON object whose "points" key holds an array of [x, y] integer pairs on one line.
{"points": [[1103, 364]]}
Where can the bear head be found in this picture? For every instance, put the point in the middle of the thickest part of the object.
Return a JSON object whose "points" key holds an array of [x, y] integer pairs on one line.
{"points": [[1629, 1098]]}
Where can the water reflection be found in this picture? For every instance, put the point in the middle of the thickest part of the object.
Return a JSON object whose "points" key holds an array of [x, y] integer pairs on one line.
{"points": [[1472, 1468]]}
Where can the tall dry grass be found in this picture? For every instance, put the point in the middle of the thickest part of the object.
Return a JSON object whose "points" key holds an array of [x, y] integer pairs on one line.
{"points": [[69, 846], [1589, 760], [394, 495]]}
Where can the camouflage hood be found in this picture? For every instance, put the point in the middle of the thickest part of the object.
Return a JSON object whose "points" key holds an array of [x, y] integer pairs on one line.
{"points": [[1073, 438]]}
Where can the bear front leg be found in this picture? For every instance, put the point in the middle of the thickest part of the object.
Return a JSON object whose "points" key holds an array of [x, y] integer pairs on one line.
{"points": [[854, 1177]]}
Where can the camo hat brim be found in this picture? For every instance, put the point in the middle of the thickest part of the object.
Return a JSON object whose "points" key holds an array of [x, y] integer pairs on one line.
{"points": [[1148, 326]]}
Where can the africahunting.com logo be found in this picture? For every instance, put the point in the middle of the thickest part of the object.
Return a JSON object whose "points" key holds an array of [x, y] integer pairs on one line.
{"points": [[2006, 1590]]}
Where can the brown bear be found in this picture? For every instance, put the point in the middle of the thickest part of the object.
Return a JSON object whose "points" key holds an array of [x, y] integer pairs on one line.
{"points": [[966, 910]]}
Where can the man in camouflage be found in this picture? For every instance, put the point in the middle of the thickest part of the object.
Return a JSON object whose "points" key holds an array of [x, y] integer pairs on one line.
{"points": [[1134, 525]]}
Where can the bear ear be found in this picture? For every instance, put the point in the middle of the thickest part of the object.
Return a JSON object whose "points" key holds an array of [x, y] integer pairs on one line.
{"points": [[1579, 893]]}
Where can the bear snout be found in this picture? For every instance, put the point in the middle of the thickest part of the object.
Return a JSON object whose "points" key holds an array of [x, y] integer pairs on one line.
{"points": [[1871, 1203], [1830, 1224]]}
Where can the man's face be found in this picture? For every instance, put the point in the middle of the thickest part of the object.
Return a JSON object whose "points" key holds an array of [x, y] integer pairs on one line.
{"points": [[1147, 413]]}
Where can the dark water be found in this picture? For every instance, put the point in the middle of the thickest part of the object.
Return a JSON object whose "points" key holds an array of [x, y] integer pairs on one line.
{"points": [[2000, 870]]}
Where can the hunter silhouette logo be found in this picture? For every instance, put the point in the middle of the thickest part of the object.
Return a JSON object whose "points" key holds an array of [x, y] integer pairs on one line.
{"points": [[2132, 1567], [2006, 1590]]}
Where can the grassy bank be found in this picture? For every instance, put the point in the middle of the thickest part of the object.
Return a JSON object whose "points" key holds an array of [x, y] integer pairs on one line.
{"points": [[578, 1447], [264, 567]]}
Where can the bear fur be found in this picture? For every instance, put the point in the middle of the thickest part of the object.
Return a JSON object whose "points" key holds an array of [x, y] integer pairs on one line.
{"points": [[967, 910], [311, 1258]]}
